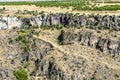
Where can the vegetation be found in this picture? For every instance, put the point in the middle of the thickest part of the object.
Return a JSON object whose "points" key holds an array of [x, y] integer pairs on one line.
{"points": [[28, 12], [25, 37], [21, 74], [107, 7], [76, 4], [25, 65], [24, 40], [58, 27], [0, 77]]}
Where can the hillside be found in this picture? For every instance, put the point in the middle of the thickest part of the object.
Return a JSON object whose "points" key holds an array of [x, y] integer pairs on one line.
{"points": [[60, 40], [44, 57]]}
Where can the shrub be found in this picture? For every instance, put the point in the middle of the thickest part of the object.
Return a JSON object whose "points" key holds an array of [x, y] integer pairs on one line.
{"points": [[10, 40], [21, 74], [24, 40], [3, 8], [26, 64], [98, 31]]}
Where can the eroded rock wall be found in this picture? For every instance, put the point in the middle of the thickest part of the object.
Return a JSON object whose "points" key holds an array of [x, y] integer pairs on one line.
{"points": [[91, 40], [91, 21], [9, 22], [66, 20]]}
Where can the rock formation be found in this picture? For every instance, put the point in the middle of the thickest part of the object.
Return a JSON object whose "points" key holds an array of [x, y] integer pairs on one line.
{"points": [[91, 21], [66, 20], [10, 22], [79, 57], [47, 60], [90, 39]]}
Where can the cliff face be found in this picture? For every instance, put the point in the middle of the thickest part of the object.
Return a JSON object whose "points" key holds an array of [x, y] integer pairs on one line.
{"points": [[66, 20], [90, 39], [10, 22], [92, 21], [69, 54], [50, 61]]}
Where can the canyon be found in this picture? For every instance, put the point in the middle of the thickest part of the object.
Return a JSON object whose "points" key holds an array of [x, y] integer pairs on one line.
{"points": [[60, 47]]}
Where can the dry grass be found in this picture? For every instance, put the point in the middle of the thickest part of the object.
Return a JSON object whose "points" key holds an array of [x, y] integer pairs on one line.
{"points": [[92, 57], [12, 9]]}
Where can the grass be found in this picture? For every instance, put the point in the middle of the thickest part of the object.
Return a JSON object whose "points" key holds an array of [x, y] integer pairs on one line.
{"points": [[77, 5], [25, 65], [25, 37], [107, 7], [24, 40], [21, 74], [43, 3]]}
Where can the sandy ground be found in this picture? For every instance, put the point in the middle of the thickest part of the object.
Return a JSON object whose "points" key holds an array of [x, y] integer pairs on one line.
{"points": [[103, 4], [12, 9]]}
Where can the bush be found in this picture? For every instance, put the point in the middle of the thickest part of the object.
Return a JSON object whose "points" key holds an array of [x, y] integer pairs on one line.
{"points": [[25, 65], [21, 74], [24, 40], [3, 8]]}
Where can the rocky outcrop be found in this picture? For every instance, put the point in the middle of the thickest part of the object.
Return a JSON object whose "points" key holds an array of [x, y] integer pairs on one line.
{"points": [[3, 74], [10, 22], [91, 21], [49, 61], [50, 69], [66, 20], [90, 39], [41, 48], [46, 66]]}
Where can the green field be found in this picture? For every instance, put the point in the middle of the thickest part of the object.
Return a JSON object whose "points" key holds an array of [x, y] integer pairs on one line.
{"points": [[76, 4]]}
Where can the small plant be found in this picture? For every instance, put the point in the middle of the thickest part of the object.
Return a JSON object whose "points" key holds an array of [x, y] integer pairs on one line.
{"points": [[60, 40], [21, 74], [4, 8], [25, 65], [10, 40], [98, 31], [42, 12], [110, 31], [24, 39]]}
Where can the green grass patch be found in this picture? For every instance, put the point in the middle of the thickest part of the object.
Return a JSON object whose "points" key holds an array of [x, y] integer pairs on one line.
{"points": [[21, 74], [76, 4]]}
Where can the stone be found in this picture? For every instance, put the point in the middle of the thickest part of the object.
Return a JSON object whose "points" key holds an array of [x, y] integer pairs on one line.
{"points": [[91, 40]]}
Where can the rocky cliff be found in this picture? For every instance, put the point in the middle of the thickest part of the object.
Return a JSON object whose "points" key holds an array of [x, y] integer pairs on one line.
{"points": [[9, 22], [68, 54], [44, 59], [65, 20], [92, 40], [68, 20]]}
